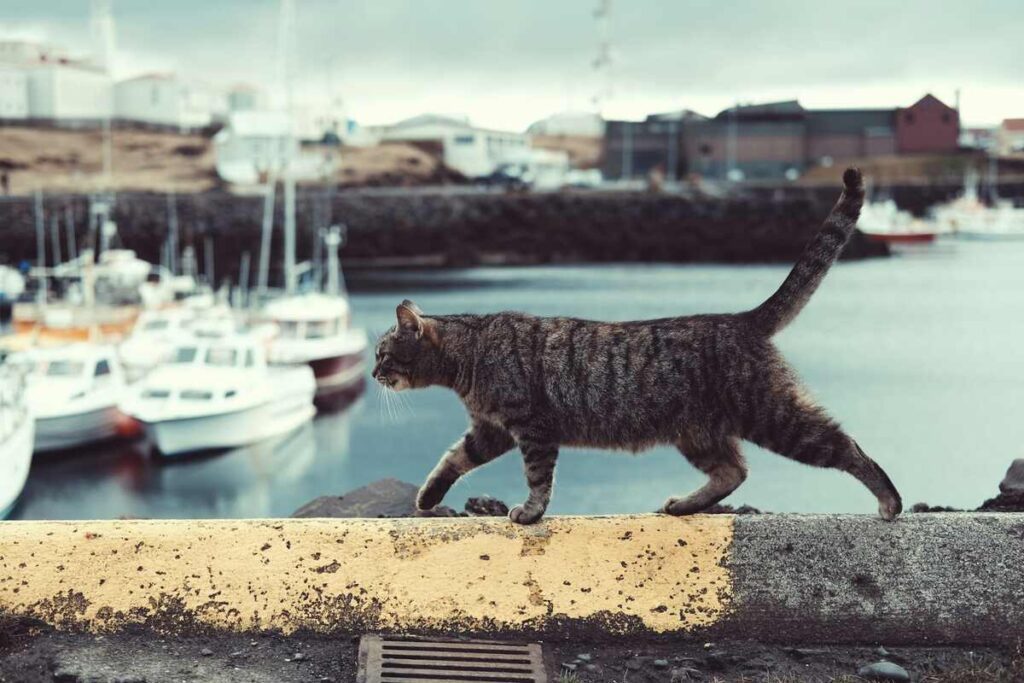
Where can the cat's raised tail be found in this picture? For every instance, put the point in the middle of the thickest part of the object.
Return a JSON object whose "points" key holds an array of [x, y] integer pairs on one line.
{"points": [[784, 305]]}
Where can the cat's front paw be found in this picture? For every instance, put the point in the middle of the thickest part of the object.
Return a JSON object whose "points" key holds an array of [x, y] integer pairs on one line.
{"points": [[522, 515], [429, 497], [677, 507]]}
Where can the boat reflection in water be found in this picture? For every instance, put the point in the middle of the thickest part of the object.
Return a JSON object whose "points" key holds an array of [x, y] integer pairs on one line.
{"points": [[271, 478]]}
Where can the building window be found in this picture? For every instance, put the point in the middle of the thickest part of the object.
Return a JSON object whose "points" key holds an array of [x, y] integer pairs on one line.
{"points": [[464, 139], [909, 117]]}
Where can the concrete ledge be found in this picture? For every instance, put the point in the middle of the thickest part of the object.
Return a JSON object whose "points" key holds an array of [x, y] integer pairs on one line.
{"points": [[935, 578]]}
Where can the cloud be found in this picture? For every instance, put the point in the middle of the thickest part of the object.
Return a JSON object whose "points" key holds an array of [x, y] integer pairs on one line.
{"points": [[509, 63]]}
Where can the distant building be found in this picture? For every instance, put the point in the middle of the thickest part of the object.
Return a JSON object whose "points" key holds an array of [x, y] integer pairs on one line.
{"points": [[256, 145], [983, 138], [13, 93], [774, 140], [166, 100], [243, 97], [468, 149], [1011, 136], [927, 126], [577, 123], [42, 83]]}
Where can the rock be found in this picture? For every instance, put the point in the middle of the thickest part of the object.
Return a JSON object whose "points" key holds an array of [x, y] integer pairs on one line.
{"points": [[1004, 502], [925, 507], [584, 657], [591, 667], [882, 652], [803, 652], [661, 663], [633, 664], [237, 654], [1013, 482], [684, 673], [883, 671], [206, 652], [299, 657], [382, 498], [568, 666], [485, 506]]}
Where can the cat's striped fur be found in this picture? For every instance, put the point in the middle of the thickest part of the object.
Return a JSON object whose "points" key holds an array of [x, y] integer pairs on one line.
{"points": [[701, 383]]}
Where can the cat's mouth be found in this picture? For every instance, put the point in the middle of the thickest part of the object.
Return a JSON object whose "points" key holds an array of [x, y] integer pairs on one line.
{"points": [[394, 382]]}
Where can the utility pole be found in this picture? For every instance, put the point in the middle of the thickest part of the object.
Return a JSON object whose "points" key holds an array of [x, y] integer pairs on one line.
{"points": [[730, 144]]}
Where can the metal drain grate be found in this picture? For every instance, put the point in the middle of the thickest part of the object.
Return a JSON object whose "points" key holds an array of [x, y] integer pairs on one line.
{"points": [[385, 660]]}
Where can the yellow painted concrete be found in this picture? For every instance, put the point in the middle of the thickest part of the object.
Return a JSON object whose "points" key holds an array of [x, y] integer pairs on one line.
{"points": [[623, 574]]}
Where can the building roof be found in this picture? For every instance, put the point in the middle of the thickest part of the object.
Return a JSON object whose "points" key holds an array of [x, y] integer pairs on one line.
{"points": [[786, 109], [432, 119], [677, 115], [928, 99], [1013, 124], [152, 76], [853, 121]]}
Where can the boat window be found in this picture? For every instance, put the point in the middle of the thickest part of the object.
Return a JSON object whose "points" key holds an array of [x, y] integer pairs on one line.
{"points": [[221, 357], [289, 329], [102, 368], [156, 325], [184, 354], [250, 358], [64, 368], [156, 393], [316, 329], [196, 395], [229, 393]]}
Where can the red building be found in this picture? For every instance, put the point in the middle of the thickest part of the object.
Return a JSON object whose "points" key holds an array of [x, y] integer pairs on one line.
{"points": [[927, 126]]}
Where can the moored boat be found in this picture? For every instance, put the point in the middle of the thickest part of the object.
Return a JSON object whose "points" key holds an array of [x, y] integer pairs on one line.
{"points": [[17, 429], [73, 392], [219, 393], [883, 221]]}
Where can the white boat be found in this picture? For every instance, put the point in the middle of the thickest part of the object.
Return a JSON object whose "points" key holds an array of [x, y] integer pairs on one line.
{"points": [[152, 340], [883, 221], [970, 218], [73, 392], [16, 433], [314, 329], [218, 393]]}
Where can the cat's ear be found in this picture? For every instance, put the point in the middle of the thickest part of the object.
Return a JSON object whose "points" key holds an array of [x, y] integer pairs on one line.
{"points": [[411, 318]]}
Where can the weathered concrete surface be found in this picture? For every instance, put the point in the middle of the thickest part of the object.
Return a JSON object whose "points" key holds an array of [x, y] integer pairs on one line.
{"points": [[925, 579], [645, 574]]}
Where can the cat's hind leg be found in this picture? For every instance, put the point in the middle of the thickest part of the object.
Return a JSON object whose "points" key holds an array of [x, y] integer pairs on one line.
{"points": [[723, 462], [481, 444], [792, 426]]}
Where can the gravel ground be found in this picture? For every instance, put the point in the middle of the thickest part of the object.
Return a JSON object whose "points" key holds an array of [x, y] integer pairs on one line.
{"points": [[29, 655]]}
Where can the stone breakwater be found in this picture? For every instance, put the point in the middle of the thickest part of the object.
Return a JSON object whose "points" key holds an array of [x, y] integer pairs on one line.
{"points": [[461, 228]]}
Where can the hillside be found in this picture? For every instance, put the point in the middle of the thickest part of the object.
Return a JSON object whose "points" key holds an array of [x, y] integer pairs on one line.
{"points": [[57, 160]]}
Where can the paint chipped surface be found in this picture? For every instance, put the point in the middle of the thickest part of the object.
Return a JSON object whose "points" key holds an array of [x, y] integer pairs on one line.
{"points": [[643, 573]]}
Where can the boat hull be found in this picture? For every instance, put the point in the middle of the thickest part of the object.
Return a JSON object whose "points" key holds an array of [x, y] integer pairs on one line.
{"points": [[338, 374], [15, 459], [231, 430], [80, 429], [908, 238]]}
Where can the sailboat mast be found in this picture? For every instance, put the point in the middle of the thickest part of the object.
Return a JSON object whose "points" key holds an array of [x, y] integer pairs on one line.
{"points": [[287, 29]]}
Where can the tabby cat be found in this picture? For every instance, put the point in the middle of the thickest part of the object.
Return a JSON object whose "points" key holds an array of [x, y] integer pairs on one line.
{"points": [[700, 383]]}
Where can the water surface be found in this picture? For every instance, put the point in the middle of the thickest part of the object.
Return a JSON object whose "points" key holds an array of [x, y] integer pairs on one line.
{"points": [[919, 356]]}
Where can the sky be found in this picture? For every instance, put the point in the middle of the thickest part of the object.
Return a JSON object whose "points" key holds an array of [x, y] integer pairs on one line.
{"points": [[506, 64]]}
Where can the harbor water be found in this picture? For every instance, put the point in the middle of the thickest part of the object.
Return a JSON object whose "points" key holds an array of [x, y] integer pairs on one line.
{"points": [[920, 357]]}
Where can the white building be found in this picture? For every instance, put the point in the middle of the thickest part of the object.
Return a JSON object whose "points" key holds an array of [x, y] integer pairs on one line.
{"points": [[1011, 136], [72, 92], [13, 93], [577, 123], [244, 97], [40, 82], [166, 100], [256, 145], [472, 151]]}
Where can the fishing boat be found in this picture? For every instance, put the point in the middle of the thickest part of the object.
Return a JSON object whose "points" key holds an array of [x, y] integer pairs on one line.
{"points": [[74, 392], [153, 339], [217, 393], [314, 329], [968, 217], [883, 221], [16, 433]]}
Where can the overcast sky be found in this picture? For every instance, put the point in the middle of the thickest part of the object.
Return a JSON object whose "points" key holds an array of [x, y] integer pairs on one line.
{"points": [[508, 63]]}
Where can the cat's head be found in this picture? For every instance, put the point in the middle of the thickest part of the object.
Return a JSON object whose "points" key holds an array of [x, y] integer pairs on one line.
{"points": [[407, 355]]}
